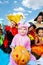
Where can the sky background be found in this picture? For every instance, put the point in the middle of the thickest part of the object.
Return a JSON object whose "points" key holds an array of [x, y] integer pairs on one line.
{"points": [[29, 8]]}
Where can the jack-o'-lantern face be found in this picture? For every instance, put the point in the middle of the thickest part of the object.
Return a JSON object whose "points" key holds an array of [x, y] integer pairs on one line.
{"points": [[16, 54], [23, 60], [25, 57], [20, 55]]}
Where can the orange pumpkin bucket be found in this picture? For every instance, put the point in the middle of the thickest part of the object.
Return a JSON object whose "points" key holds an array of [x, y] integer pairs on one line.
{"points": [[20, 55]]}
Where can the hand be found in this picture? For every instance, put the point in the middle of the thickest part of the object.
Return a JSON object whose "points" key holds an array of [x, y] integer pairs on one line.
{"points": [[38, 44], [41, 42], [12, 48]]}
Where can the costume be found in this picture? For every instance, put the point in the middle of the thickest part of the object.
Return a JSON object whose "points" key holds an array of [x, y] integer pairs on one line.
{"points": [[32, 32], [1, 40], [32, 35], [39, 24], [10, 33], [22, 41], [38, 49]]}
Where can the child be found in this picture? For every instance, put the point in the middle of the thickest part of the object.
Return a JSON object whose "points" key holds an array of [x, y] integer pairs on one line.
{"points": [[38, 48], [21, 39], [11, 31], [39, 20], [39, 32], [32, 33]]}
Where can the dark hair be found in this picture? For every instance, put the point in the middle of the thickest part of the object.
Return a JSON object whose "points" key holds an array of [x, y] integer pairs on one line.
{"points": [[40, 28], [32, 25], [40, 14]]}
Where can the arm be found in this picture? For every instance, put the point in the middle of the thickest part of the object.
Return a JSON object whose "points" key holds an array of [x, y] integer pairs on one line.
{"points": [[28, 45], [13, 43]]}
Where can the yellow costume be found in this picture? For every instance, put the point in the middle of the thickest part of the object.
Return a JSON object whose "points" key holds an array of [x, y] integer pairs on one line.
{"points": [[31, 37]]}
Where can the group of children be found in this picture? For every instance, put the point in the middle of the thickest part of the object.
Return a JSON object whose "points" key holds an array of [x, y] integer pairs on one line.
{"points": [[27, 34]]}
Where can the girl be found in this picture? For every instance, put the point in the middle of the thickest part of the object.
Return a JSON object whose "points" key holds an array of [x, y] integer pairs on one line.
{"points": [[21, 39], [39, 32], [39, 20], [11, 31], [38, 47], [32, 33]]}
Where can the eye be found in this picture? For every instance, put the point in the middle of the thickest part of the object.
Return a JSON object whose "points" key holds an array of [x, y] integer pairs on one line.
{"points": [[22, 60], [24, 29], [17, 55]]}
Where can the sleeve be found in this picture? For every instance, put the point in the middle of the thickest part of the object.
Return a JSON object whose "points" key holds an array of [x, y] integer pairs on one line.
{"points": [[28, 45]]}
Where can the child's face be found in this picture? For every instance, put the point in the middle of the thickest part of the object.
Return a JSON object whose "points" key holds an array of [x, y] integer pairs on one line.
{"points": [[39, 19], [31, 28], [13, 24], [22, 31], [40, 33]]}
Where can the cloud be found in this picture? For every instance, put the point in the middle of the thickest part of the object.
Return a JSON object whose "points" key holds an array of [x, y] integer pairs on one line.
{"points": [[26, 14], [1, 20], [15, 1], [29, 11], [18, 13], [34, 4], [19, 9], [31, 20]]}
